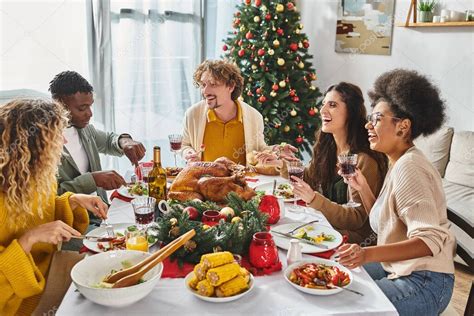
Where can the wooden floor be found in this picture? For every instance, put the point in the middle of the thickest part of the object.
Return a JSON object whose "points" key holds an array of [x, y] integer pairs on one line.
{"points": [[462, 286]]}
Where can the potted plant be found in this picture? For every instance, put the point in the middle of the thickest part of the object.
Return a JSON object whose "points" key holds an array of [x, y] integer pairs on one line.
{"points": [[425, 10]]}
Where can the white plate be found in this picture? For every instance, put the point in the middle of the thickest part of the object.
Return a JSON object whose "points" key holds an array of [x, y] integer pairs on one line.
{"points": [[284, 242], [317, 291], [217, 299], [101, 231], [123, 191], [268, 188]]}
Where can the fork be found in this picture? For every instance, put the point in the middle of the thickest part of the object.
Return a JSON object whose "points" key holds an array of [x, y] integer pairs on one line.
{"points": [[301, 226], [108, 228]]}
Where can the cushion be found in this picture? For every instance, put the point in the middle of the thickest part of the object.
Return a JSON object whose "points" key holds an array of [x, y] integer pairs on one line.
{"points": [[436, 147], [8, 95], [460, 199], [460, 169]]}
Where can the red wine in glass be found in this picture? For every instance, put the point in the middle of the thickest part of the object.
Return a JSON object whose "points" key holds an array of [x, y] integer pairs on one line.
{"points": [[347, 168], [348, 163], [296, 171], [144, 215], [175, 145]]}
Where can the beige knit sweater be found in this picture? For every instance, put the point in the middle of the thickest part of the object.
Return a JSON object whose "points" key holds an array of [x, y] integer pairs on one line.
{"points": [[415, 206]]}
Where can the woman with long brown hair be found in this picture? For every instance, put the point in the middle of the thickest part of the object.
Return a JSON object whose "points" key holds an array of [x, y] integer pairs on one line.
{"points": [[343, 117], [33, 219]]}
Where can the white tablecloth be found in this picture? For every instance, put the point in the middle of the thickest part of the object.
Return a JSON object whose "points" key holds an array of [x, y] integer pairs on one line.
{"points": [[272, 295]]}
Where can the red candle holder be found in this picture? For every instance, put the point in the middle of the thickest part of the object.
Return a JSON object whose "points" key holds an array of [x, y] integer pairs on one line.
{"points": [[269, 204], [263, 252], [211, 217]]}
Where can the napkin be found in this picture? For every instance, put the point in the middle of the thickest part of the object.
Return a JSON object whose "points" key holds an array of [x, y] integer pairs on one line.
{"points": [[117, 195]]}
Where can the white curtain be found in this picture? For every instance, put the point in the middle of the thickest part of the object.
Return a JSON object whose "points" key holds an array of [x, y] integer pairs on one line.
{"points": [[218, 23]]}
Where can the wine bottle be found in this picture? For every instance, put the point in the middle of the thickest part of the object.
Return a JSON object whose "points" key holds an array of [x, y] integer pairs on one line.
{"points": [[157, 177]]}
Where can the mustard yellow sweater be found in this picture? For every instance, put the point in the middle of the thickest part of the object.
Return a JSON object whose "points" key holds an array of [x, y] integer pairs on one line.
{"points": [[22, 276]]}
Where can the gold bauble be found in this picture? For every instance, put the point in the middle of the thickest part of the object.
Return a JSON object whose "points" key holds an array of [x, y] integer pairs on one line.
{"points": [[286, 128], [280, 61], [282, 84], [280, 8], [293, 112], [276, 43]]}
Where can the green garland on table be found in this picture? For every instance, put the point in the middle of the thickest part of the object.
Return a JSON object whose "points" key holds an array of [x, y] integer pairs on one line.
{"points": [[227, 236]]}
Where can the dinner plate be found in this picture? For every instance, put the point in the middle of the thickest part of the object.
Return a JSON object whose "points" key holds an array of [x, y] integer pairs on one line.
{"points": [[123, 191], [217, 299], [268, 188], [284, 242], [102, 232], [317, 291]]}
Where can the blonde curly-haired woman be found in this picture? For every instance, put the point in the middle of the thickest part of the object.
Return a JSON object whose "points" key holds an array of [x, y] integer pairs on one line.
{"points": [[33, 219]]}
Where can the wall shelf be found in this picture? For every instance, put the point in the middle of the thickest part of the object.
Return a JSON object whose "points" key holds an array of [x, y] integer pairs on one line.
{"points": [[445, 24]]}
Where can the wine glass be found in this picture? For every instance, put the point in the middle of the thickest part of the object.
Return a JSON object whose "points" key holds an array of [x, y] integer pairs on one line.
{"points": [[295, 168], [145, 169], [348, 164], [175, 145]]}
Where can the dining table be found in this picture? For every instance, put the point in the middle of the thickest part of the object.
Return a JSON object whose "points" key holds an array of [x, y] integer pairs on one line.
{"points": [[271, 294]]}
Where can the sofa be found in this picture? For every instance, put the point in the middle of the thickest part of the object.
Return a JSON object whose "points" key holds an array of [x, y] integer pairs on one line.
{"points": [[452, 154]]}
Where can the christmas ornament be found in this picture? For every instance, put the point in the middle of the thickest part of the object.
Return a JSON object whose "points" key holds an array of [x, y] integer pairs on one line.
{"points": [[261, 52], [250, 93], [312, 87], [300, 126], [299, 140], [280, 61], [254, 67], [240, 42], [190, 245], [280, 8], [293, 47], [224, 48], [173, 221], [312, 112], [174, 232], [276, 43], [226, 211], [268, 17], [292, 93], [192, 212], [297, 31], [262, 63], [282, 84], [300, 45], [258, 3], [262, 99], [241, 53], [301, 65], [271, 52], [300, 26], [290, 6], [280, 32], [249, 35], [277, 125], [286, 128], [296, 99], [273, 94], [248, 2], [305, 44], [293, 112], [205, 227], [258, 90], [242, 29], [263, 8], [235, 219], [275, 87], [312, 76], [256, 19]]}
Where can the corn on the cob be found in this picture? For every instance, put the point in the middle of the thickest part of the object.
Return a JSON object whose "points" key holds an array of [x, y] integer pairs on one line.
{"points": [[204, 288], [193, 282], [212, 260], [219, 275], [200, 271], [232, 287], [244, 273]]}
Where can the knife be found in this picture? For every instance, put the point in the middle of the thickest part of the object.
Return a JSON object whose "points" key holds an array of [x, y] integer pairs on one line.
{"points": [[300, 239]]}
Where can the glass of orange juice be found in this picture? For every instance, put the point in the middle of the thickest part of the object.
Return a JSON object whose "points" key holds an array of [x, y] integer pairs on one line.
{"points": [[137, 240]]}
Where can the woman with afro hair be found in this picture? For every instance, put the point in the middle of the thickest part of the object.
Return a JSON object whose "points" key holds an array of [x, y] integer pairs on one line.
{"points": [[412, 262]]}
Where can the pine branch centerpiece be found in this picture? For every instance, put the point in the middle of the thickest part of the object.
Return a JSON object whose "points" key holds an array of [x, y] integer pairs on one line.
{"points": [[271, 50], [233, 233]]}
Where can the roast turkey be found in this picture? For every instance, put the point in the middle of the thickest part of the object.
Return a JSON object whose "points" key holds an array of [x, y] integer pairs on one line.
{"points": [[210, 181]]}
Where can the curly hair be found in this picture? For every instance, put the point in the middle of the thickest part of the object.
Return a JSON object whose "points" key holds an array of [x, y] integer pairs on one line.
{"points": [[224, 72], [412, 96], [68, 83], [31, 136], [322, 168]]}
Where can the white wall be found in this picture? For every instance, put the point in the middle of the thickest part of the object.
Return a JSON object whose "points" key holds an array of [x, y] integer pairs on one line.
{"points": [[445, 54]]}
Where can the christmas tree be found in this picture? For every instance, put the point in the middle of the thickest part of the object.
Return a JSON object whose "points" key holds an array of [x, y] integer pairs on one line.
{"points": [[272, 53]]}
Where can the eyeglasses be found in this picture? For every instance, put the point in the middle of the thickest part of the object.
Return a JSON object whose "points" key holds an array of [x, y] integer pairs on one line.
{"points": [[374, 118]]}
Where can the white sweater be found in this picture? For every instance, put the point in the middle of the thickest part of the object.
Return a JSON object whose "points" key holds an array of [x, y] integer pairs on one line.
{"points": [[415, 206], [195, 124]]}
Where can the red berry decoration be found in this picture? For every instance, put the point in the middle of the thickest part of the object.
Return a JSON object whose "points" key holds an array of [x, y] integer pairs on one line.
{"points": [[268, 17], [275, 87], [312, 112], [290, 6], [258, 91], [299, 140], [296, 99], [305, 44], [262, 99], [241, 53], [258, 3], [280, 32], [249, 35], [292, 93], [224, 48], [261, 52], [294, 47]]}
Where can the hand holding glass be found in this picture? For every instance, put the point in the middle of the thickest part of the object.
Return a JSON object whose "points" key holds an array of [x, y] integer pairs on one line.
{"points": [[296, 169], [176, 141], [348, 165]]}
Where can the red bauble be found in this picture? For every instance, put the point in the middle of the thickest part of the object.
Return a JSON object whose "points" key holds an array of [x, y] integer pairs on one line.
{"points": [[269, 204], [294, 47], [241, 53], [296, 99], [192, 212], [236, 22], [258, 3], [224, 48], [280, 32], [262, 99], [249, 35], [250, 93], [262, 63], [240, 42], [261, 52], [258, 91], [290, 6], [287, 80], [266, 68], [299, 140], [305, 44], [312, 112], [292, 93], [300, 126], [275, 87], [248, 2], [237, 13], [268, 17]]}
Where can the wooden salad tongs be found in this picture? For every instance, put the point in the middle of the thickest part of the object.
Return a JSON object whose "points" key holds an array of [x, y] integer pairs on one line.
{"points": [[132, 275]]}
